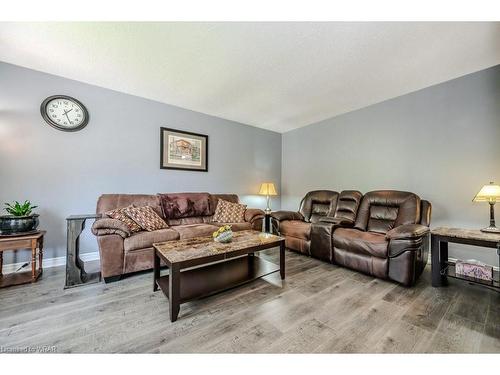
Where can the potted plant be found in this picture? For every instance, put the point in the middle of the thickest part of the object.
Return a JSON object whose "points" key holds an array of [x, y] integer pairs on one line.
{"points": [[20, 218]]}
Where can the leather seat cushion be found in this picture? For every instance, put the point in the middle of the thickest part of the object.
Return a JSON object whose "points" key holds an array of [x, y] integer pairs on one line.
{"points": [[144, 239], [296, 228], [236, 227], [361, 242], [195, 230]]}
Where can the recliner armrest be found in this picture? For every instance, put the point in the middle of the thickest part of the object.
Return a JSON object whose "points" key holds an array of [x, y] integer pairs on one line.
{"points": [[287, 215], [407, 231], [252, 214]]}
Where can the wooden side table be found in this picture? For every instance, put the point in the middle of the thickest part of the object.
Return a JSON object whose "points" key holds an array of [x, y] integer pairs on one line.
{"points": [[32, 241], [75, 267], [442, 268]]}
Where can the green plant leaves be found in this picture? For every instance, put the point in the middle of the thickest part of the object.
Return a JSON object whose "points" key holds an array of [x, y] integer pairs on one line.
{"points": [[18, 209]]}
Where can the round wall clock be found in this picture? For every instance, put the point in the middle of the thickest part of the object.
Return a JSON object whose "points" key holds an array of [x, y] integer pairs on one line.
{"points": [[64, 113]]}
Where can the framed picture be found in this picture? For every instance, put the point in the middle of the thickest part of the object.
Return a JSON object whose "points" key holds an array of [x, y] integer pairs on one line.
{"points": [[183, 150]]}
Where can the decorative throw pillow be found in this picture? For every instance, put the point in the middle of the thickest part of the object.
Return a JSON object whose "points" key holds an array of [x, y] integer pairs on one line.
{"points": [[227, 212], [119, 214], [146, 217]]}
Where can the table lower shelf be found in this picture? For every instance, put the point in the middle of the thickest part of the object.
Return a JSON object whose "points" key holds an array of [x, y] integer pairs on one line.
{"points": [[495, 283], [208, 280], [18, 278]]}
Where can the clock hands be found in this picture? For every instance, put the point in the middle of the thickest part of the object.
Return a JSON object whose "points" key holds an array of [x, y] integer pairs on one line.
{"points": [[66, 114]]}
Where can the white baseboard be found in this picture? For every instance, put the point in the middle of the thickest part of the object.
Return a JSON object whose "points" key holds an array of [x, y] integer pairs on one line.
{"points": [[49, 262]]}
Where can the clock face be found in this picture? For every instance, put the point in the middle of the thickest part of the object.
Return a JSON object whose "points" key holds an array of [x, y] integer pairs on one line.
{"points": [[64, 113]]}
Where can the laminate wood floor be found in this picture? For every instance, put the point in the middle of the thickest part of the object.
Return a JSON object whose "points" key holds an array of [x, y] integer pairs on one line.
{"points": [[319, 308]]}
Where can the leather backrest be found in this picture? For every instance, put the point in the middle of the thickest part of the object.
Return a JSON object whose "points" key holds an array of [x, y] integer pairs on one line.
{"points": [[348, 204], [318, 203], [382, 210], [426, 211], [108, 202], [184, 205]]}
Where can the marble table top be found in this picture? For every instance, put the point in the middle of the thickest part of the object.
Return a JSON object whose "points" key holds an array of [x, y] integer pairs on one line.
{"points": [[200, 247], [471, 234]]}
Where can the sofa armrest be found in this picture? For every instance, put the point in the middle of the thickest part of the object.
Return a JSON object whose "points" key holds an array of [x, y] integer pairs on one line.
{"points": [[107, 226], [252, 214], [287, 215], [112, 254], [407, 232]]}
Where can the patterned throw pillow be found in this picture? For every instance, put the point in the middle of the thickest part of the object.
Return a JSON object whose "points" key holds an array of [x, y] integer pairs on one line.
{"points": [[227, 212], [146, 217], [119, 214]]}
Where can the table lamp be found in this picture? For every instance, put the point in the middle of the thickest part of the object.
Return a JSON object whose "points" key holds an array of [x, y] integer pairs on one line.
{"points": [[268, 189], [489, 193]]}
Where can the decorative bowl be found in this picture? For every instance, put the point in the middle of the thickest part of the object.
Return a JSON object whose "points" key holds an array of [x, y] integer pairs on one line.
{"points": [[224, 237], [10, 224]]}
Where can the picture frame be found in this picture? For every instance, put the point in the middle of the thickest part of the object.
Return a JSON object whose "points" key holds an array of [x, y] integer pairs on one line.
{"points": [[183, 150]]}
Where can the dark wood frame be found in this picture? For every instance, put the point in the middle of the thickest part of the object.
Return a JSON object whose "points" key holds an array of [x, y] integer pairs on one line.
{"points": [[442, 268], [162, 130], [233, 262], [75, 267], [55, 125]]}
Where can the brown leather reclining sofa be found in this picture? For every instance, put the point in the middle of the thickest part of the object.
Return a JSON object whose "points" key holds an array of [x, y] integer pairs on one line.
{"points": [[122, 252], [384, 233]]}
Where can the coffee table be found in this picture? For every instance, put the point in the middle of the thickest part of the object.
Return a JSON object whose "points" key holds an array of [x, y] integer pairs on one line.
{"points": [[199, 267]]}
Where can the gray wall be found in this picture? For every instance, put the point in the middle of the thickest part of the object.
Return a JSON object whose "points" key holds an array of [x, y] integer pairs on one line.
{"points": [[118, 152], [442, 143]]}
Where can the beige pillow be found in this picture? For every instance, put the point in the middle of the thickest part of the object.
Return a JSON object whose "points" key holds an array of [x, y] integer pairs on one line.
{"points": [[119, 214], [227, 212], [146, 217]]}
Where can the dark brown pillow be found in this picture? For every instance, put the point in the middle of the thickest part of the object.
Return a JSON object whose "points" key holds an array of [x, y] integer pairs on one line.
{"points": [[227, 212], [146, 217], [179, 205], [119, 214]]}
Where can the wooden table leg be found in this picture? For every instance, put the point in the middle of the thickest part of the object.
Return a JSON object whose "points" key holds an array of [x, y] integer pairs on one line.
{"points": [[174, 291], [40, 255], [33, 259], [282, 260], [156, 270], [435, 269], [443, 261]]}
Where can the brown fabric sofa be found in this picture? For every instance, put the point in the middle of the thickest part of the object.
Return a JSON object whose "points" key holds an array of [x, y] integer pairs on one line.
{"points": [[189, 215], [384, 233]]}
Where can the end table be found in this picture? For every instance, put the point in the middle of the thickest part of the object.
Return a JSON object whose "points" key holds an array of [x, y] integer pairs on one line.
{"points": [[32, 241]]}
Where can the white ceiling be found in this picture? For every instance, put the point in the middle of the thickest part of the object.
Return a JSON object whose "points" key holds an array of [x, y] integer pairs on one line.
{"points": [[277, 76]]}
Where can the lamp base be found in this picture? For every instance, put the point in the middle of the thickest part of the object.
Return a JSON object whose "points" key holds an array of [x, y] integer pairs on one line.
{"points": [[491, 230]]}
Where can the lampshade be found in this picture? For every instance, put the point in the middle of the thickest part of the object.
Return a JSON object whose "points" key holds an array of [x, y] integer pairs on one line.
{"points": [[267, 188], [488, 193]]}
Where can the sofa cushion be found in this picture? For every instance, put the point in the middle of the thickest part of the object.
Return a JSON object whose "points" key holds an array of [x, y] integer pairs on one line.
{"points": [[120, 214], [361, 242], [190, 220], [195, 230], [227, 212], [236, 227], [146, 217], [179, 205], [382, 210], [144, 239], [295, 228], [214, 200]]}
